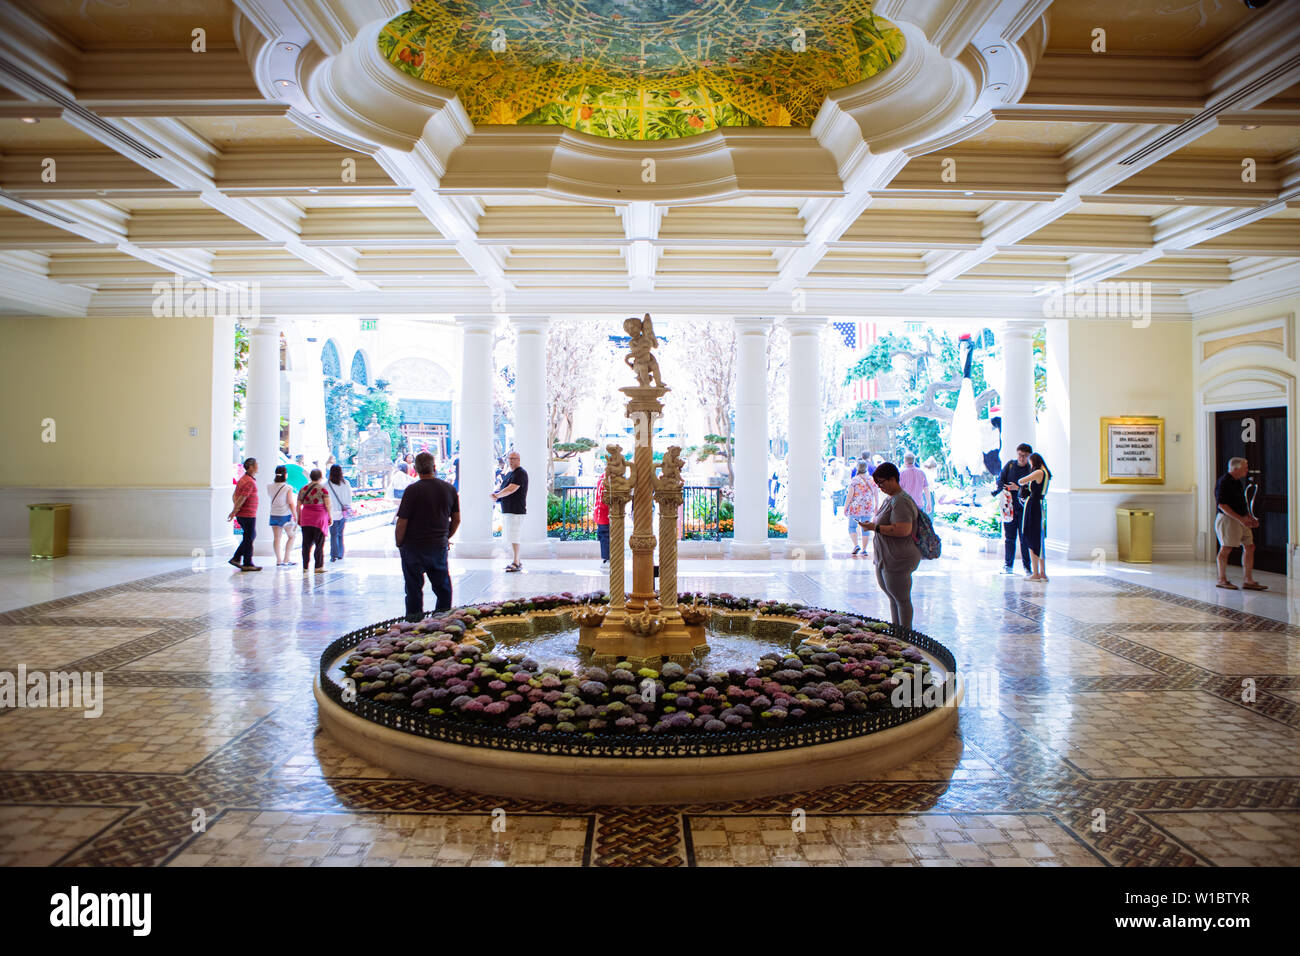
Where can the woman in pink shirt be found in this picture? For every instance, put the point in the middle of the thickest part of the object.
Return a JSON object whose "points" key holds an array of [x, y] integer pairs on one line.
{"points": [[314, 517]]}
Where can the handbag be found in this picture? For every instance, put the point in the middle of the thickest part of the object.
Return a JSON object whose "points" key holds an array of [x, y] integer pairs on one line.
{"points": [[345, 511]]}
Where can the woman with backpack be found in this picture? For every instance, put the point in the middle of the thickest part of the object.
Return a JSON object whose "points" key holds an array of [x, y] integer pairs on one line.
{"points": [[895, 549]]}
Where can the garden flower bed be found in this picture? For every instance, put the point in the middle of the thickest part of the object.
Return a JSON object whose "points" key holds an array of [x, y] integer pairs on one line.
{"points": [[435, 679]]}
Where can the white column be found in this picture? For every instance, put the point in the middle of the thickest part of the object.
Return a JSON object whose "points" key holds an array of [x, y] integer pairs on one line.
{"points": [[262, 425], [751, 439], [1017, 390], [806, 437], [530, 426], [1053, 436], [474, 540]]}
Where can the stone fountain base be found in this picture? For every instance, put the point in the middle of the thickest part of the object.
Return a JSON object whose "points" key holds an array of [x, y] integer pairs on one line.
{"points": [[627, 781], [615, 640]]}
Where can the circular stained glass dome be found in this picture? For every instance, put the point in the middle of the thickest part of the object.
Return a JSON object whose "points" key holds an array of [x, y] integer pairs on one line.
{"points": [[641, 69]]}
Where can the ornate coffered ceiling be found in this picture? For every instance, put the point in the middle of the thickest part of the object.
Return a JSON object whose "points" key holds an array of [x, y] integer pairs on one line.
{"points": [[995, 155]]}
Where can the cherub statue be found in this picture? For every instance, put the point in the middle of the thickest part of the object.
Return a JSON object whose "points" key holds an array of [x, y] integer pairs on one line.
{"points": [[639, 358], [616, 468], [670, 477]]}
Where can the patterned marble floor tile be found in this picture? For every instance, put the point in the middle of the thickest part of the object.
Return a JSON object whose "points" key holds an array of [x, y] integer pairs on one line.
{"points": [[1117, 610], [41, 836], [954, 759], [1225, 652], [211, 707], [275, 838], [1241, 838], [49, 647], [1038, 655], [924, 839], [142, 730], [153, 605], [242, 650], [1156, 734]]}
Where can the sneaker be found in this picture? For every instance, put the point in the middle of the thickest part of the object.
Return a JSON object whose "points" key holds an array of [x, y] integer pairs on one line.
{"points": [[857, 549], [1008, 570]]}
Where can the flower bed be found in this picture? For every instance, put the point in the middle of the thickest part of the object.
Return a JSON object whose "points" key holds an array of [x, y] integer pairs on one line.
{"points": [[428, 671]]}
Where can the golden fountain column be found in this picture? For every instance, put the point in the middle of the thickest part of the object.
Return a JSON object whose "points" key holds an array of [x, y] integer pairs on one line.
{"points": [[642, 631], [618, 488], [644, 404], [668, 493]]}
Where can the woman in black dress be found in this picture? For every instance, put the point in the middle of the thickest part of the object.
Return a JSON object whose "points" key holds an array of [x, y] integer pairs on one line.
{"points": [[1033, 490]]}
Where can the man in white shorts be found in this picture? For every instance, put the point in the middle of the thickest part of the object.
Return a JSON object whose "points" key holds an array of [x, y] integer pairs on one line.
{"points": [[1233, 523], [513, 496]]}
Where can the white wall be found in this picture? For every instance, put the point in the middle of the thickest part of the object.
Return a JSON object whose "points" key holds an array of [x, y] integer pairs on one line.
{"points": [[1113, 369], [124, 395]]}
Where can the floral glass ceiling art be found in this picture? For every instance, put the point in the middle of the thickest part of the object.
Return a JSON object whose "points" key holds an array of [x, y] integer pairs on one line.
{"points": [[641, 69]]}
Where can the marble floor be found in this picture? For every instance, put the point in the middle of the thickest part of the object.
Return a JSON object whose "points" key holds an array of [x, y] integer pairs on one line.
{"points": [[1119, 735]]}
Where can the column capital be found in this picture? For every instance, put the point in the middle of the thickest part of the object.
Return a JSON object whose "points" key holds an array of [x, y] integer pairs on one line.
{"points": [[477, 323], [1020, 326], [805, 324], [753, 324], [262, 325], [530, 323]]}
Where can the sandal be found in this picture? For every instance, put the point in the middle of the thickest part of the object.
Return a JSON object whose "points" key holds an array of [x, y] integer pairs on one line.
{"points": [[1254, 586], [1227, 586]]}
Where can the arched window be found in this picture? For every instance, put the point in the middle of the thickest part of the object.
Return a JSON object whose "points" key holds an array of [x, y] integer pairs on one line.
{"points": [[359, 374], [329, 361]]}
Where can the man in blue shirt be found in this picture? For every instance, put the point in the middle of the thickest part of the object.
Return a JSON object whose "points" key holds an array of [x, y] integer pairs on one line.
{"points": [[1009, 480]]}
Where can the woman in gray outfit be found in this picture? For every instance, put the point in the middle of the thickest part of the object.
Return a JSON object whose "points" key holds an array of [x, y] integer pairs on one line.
{"points": [[894, 548]]}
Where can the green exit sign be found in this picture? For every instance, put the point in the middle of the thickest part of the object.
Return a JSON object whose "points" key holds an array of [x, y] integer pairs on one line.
{"points": [[369, 325]]}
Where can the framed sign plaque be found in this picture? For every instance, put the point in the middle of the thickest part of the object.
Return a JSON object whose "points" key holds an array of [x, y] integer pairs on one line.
{"points": [[1133, 451]]}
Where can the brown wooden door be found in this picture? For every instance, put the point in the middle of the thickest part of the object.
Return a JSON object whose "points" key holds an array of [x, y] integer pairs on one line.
{"points": [[1260, 436]]}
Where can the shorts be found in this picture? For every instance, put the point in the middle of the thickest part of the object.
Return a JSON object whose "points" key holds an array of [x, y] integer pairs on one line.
{"points": [[279, 520], [512, 528], [1230, 533], [855, 527]]}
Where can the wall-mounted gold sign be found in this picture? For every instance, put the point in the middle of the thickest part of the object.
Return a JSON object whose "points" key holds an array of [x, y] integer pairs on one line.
{"points": [[1133, 451]]}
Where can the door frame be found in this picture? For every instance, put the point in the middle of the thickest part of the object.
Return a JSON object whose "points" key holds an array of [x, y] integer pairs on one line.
{"points": [[1242, 388]]}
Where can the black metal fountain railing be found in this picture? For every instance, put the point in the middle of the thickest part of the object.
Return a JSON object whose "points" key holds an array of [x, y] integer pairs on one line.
{"points": [[689, 744]]}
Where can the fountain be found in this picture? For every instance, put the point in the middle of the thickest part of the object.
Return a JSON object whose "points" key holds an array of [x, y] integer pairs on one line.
{"points": [[444, 700], [643, 628]]}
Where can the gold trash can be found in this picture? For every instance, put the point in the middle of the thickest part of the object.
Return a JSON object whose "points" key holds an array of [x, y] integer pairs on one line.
{"points": [[1134, 528], [48, 526]]}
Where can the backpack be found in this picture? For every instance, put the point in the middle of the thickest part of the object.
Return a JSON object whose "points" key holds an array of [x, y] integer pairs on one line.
{"points": [[927, 542]]}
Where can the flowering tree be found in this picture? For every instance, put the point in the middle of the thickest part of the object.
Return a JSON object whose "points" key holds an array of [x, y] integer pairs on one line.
{"points": [[579, 365], [704, 353]]}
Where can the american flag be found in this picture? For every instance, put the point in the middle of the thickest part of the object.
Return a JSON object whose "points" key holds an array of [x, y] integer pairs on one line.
{"points": [[859, 337]]}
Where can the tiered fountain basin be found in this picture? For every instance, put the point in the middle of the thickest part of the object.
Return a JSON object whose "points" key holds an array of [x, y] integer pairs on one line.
{"points": [[499, 699]]}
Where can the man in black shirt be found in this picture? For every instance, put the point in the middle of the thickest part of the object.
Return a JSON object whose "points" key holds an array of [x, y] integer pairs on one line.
{"points": [[427, 518], [1232, 525], [513, 495], [1009, 480]]}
